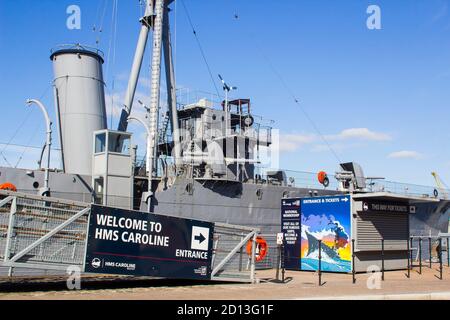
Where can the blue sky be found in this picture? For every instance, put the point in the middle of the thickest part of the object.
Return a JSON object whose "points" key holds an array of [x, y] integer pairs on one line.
{"points": [[380, 97]]}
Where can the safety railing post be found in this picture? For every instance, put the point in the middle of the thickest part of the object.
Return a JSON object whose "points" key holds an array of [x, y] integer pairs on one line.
{"points": [[382, 259], [278, 262], [353, 262], [420, 255], [240, 257], [411, 253], [408, 255], [429, 250], [440, 258], [10, 231], [253, 259], [320, 263]]}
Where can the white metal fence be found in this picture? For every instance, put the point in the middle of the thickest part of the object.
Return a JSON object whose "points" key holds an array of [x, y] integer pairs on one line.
{"points": [[51, 234]]}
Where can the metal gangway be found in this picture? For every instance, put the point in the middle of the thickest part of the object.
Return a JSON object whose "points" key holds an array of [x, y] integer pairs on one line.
{"points": [[50, 234]]}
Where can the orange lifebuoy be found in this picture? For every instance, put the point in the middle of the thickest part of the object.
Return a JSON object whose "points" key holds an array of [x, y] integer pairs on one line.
{"points": [[8, 186], [261, 248], [323, 178]]}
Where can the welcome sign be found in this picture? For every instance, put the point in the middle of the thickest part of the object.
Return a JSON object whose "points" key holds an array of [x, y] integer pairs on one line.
{"points": [[127, 242]]}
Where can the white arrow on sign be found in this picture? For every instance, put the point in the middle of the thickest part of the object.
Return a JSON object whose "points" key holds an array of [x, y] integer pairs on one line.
{"points": [[200, 238]]}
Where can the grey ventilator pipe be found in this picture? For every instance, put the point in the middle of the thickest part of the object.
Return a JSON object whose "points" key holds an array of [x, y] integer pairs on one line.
{"points": [[148, 195]]}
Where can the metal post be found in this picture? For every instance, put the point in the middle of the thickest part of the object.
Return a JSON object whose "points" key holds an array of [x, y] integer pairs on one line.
{"points": [[440, 257], [10, 230], [136, 68], [429, 249], [408, 255], [155, 81], [448, 252], [353, 261], [171, 88], [320, 263], [278, 262], [411, 252], [240, 257], [420, 255], [282, 261], [253, 262], [382, 259]]}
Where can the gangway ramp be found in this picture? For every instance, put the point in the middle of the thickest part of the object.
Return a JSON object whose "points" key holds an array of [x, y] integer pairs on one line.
{"points": [[51, 235]]}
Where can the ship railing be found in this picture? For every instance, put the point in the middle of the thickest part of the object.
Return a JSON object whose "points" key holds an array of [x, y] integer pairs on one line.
{"points": [[44, 233], [77, 46], [41, 232], [302, 179], [234, 253]]}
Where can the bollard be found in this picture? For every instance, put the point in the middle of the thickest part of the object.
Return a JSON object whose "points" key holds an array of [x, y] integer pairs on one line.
{"points": [[353, 261], [382, 259], [408, 255], [320, 263], [440, 258], [430, 250], [420, 255]]}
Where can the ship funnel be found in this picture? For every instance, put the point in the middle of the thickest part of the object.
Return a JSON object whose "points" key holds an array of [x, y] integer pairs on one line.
{"points": [[80, 104]]}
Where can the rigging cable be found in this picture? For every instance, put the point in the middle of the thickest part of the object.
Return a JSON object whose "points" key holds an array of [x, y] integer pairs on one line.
{"points": [[112, 47], [291, 93], [27, 146], [200, 47]]}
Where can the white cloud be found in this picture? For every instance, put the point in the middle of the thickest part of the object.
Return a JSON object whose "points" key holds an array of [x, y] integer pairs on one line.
{"points": [[405, 154], [348, 138], [292, 142], [360, 134]]}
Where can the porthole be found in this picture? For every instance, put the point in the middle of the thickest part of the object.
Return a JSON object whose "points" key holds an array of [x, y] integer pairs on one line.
{"points": [[259, 194], [35, 184], [190, 188]]}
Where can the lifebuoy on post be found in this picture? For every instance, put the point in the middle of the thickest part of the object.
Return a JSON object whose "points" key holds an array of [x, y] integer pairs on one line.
{"points": [[8, 186], [261, 248]]}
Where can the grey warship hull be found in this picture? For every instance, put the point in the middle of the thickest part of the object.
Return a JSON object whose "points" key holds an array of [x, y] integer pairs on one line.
{"points": [[248, 204]]}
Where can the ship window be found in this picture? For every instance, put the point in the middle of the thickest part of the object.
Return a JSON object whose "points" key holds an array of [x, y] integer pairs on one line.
{"points": [[119, 143], [100, 141]]}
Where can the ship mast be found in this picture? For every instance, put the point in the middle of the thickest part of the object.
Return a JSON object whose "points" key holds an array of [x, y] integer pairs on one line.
{"points": [[156, 18]]}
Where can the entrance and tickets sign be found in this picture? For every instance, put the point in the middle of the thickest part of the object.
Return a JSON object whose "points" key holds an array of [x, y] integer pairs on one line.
{"points": [[306, 221], [127, 242]]}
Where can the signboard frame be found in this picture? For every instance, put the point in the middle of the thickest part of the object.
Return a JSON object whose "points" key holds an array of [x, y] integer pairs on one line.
{"points": [[177, 251]]}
